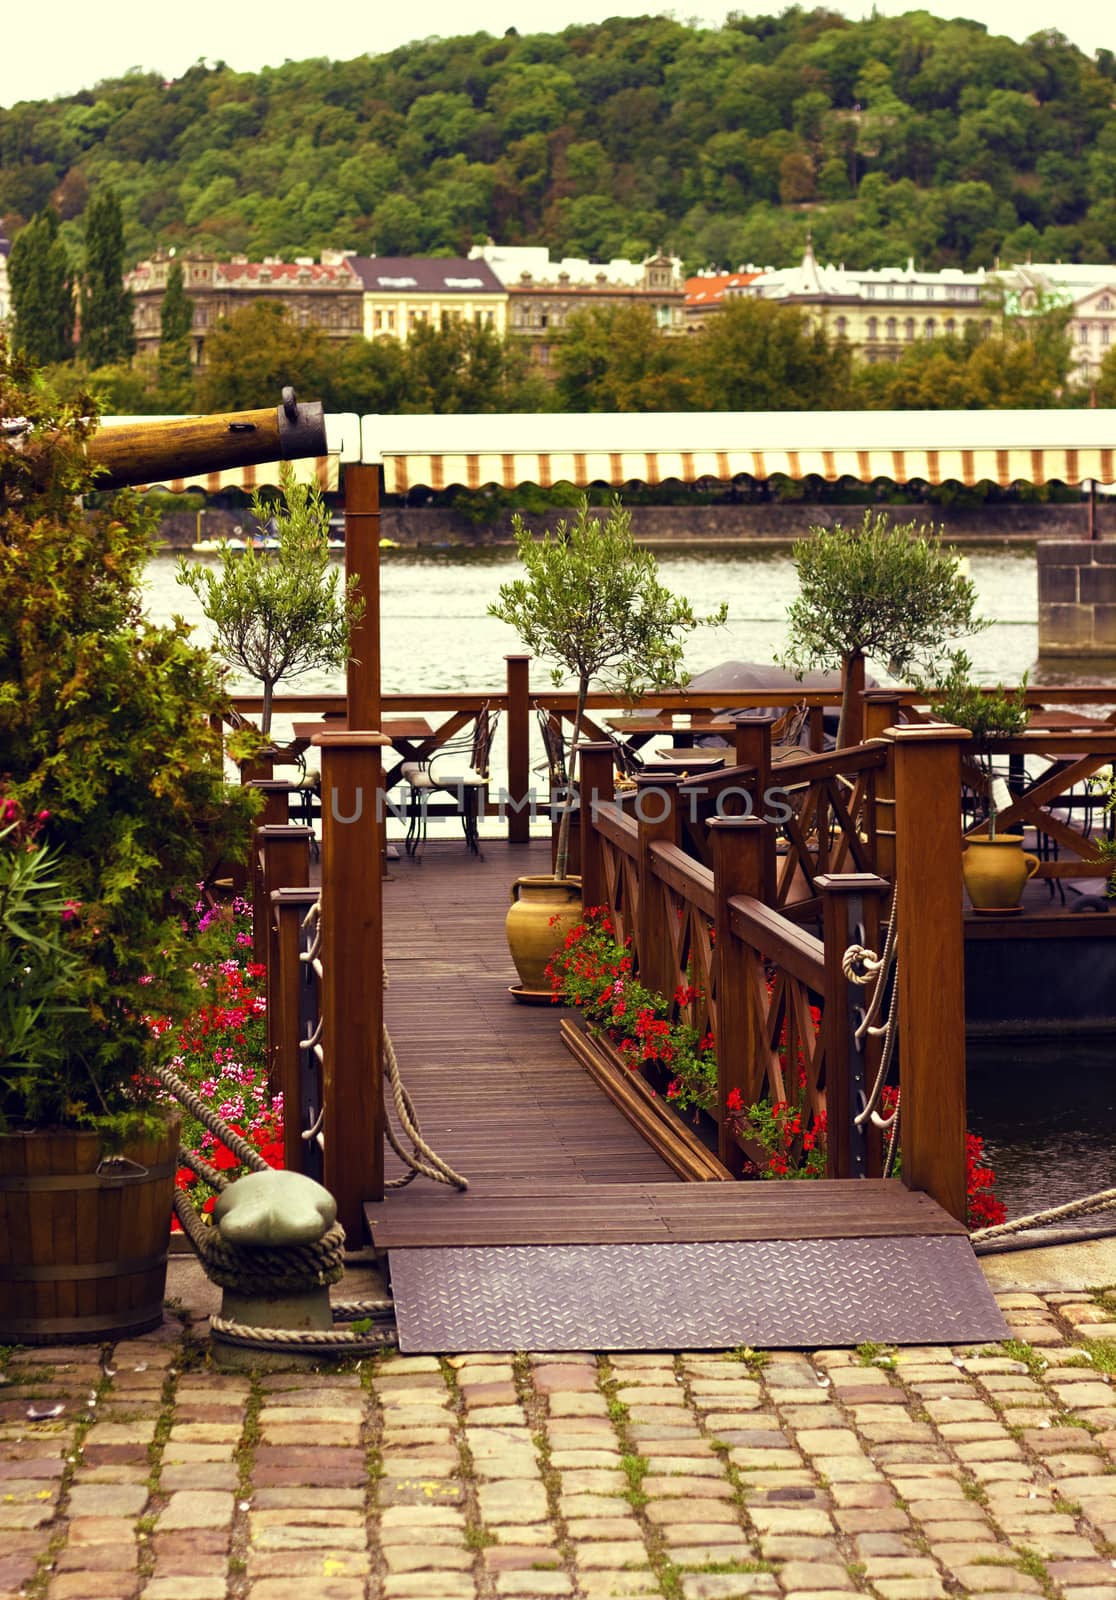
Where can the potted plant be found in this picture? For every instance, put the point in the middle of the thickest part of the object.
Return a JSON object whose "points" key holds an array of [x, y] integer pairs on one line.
{"points": [[282, 611], [591, 602], [115, 806], [887, 591], [994, 864]]}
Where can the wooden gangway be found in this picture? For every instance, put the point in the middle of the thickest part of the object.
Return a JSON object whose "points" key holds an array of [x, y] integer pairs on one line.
{"points": [[573, 1230]]}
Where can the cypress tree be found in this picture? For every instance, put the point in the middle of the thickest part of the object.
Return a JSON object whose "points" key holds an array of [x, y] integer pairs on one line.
{"points": [[106, 306], [176, 375], [42, 292]]}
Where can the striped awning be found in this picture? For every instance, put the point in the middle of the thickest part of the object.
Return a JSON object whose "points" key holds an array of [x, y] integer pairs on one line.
{"points": [[321, 470], [1001, 447]]}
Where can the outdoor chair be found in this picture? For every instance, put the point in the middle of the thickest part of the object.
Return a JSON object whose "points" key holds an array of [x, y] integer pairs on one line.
{"points": [[460, 767]]}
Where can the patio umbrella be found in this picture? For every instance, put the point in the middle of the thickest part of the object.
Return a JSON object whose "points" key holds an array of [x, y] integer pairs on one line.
{"points": [[752, 676]]}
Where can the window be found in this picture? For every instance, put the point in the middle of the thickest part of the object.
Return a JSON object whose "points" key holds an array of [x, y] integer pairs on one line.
{"points": [[950, 327], [930, 291], [1105, 305], [873, 326], [909, 328], [892, 328], [891, 291], [910, 291], [870, 290], [1083, 333], [929, 328], [1105, 329], [842, 327]]}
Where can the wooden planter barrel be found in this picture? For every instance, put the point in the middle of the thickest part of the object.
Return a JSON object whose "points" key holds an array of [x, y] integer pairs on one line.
{"points": [[83, 1238]]}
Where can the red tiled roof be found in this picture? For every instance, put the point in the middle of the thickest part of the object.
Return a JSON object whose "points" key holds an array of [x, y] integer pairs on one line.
{"points": [[709, 290]]}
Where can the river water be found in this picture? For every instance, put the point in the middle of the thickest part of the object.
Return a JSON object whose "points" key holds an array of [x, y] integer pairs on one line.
{"points": [[437, 635]]}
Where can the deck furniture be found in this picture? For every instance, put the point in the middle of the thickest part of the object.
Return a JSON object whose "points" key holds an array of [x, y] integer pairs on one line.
{"points": [[459, 767]]}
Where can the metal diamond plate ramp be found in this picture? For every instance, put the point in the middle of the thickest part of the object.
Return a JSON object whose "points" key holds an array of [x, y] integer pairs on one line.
{"points": [[789, 1294]]}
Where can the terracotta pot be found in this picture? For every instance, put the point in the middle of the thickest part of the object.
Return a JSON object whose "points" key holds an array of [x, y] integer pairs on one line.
{"points": [[543, 910], [995, 871]]}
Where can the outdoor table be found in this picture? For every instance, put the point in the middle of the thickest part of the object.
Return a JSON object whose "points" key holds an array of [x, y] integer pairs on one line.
{"points": [[638, 727], [684, 759]]}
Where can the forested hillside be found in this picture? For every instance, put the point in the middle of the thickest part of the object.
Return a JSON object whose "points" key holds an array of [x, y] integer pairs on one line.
{"points": [[887, 137]]}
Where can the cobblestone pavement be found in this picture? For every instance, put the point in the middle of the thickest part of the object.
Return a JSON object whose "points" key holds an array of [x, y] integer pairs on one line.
{"points": [[904, 1475]]}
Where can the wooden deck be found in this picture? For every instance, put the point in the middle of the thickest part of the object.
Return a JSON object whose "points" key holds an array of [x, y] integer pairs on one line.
{"points": [[498, 1095], [506, 1104], [573, 1234]]}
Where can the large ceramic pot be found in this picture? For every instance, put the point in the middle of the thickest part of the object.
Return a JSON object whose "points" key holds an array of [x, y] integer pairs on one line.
{"points": [[83, 1241], [543, 910], [995, 871]]}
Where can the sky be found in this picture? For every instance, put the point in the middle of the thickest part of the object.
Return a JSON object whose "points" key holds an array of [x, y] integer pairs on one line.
{"points": [[56, 47]]}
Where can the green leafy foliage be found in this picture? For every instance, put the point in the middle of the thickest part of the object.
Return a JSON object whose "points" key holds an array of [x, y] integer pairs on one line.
{"points": [[38, 965], [987, 713], [591, 602], [176, 372], [887, 137], [42, 292], [106, 305], [279, 613], [104, 725], [891, 592]]}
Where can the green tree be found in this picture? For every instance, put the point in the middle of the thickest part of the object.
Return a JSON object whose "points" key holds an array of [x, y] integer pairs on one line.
{"points": [[253, 353], [42, 292], [106, 305], [592, 602], [761, 356], [887, 591], [1105, 387], [615, 359], [106, 738], [176, 370], [279, 613]]}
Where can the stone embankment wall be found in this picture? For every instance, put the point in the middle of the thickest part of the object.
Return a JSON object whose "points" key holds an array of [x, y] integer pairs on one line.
{"points": [[1077, 597], [777, 524]]}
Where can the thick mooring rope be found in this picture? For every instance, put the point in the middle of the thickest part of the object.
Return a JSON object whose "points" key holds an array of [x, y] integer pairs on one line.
{"points": [[863, 966], [1101, 1201]]}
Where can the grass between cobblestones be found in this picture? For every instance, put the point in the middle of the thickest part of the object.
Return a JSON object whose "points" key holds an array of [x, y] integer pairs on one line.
{"points": [[896, 1474]]}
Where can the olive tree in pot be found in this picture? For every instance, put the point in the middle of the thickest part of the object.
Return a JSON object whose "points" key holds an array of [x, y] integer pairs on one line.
{"points": [[590, 601], [114, 807], [279, 613], [994, 865], [890, 592]]}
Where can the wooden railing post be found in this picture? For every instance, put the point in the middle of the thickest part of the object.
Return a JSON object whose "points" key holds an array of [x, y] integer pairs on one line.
{"points": [[753, 749], [280, 860], [362, 562], [931, 953], [288, 1020], [276, 793], [881, 711], [518, 798], [850, 914], [353, 973], [740, 856], [658, 816], [597, 789]]}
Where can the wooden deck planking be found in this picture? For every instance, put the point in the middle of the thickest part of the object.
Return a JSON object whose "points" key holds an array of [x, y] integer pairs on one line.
{"points": [[498, 1095], [522, 1213]]}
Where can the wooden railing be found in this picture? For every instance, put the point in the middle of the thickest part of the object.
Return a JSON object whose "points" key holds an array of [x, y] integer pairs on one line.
{"points": [[336, 1081], [780, 1018], [760, 976]]}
